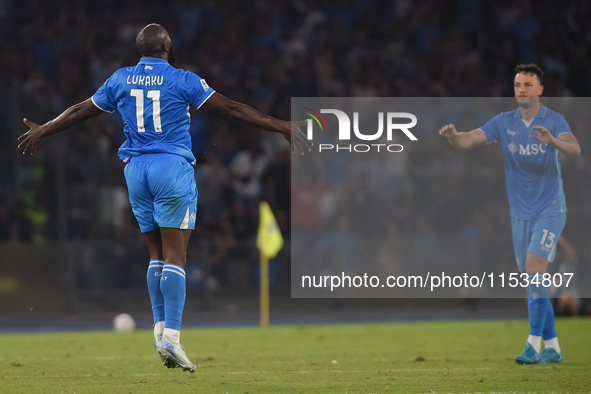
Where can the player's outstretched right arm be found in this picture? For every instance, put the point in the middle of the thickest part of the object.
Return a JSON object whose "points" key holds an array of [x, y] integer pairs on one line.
{"points": [[466, 140], [71, 117]]}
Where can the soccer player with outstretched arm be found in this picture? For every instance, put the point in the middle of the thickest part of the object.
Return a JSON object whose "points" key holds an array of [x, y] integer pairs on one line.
{"points": [[532, 138], [153, 99]]}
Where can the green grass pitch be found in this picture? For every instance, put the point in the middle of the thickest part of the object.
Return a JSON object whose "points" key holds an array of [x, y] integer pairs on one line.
{"points": [[442, 357]]}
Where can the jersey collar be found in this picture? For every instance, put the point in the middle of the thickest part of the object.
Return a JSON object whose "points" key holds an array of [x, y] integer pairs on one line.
{"points": [[541, 112], [152, 60]]}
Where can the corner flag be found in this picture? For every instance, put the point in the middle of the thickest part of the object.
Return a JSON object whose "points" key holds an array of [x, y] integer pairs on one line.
{"points": [[269, 242], [269, 238]]}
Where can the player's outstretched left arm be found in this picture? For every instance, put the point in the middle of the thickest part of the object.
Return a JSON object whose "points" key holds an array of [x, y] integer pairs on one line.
{"points": [[71, 117], [565, 142], [250, 116]]}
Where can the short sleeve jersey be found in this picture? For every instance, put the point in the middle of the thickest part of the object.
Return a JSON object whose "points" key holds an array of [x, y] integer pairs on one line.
{"points": [[532, 169], [153, 98]]}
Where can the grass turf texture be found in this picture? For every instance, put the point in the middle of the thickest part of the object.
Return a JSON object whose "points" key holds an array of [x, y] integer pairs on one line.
{"points": [[443, 357]]}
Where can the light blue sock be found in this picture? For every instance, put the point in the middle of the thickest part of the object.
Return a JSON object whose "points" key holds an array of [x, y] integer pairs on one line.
{"points": [[549, 329], [537, 303], [173, 285], [153, 277]]}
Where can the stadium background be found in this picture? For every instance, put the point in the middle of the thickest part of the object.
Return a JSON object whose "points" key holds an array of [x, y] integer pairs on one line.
{"points": [[68, 240]]}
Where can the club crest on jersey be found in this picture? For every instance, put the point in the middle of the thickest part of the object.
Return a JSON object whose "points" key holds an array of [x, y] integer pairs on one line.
{"points": [[512, 147]]}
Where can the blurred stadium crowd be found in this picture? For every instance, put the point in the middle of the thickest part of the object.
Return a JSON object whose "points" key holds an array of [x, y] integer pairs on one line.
{"points": [[262, 53]]}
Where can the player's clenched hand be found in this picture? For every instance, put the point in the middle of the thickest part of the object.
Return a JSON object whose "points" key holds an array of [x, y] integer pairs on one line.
{"points": [[297, 138], [448, 131], [543, 136], [31, 138]]}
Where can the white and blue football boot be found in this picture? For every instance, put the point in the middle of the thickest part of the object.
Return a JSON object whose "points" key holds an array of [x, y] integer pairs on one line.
{"points": [[174, 353], [168, 363]]}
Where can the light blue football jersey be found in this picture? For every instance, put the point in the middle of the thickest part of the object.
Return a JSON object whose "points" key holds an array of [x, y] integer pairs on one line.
{"points": [[532, 169], [153, 98]]}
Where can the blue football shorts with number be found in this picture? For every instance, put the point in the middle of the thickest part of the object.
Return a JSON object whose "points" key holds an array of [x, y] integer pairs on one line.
{"points": [[534, 182], [153, 99], [538, 236]]}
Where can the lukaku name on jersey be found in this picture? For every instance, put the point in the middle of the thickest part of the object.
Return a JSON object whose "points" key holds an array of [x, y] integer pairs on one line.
{"points": [[145, 80]]}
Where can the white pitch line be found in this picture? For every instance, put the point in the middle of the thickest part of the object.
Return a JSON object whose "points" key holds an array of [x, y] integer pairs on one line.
{"points": [[259, 372], [312, 371]]}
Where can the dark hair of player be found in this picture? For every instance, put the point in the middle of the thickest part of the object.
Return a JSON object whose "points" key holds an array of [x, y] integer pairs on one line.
{"points": [[531, 68]]}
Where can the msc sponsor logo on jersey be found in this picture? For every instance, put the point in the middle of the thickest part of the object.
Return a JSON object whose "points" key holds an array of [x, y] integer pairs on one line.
{"points": [[527, 149]]}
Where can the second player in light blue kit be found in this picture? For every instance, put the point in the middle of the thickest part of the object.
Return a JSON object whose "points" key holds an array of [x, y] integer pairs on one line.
{"points": [[532, 138], [153, 99]]}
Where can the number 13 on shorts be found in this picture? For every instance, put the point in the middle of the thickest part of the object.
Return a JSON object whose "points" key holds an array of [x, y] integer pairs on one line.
{"points": [[547, 236], [538, 236]]}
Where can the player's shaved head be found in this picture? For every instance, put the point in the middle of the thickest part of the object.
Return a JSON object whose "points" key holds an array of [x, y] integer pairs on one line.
{"points": [[154, 41]]}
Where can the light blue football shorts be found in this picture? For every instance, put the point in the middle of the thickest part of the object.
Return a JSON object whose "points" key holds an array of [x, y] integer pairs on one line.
{"points": [[162, 191], [538, 236]]}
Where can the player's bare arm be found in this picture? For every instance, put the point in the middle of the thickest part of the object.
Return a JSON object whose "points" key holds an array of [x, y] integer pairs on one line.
{"points": [[565, 142], [465, 140], [220, 104], [71, 117]]}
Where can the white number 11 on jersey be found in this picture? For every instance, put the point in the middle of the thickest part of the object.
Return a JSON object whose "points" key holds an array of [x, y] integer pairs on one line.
{"points": [[139, 109]]}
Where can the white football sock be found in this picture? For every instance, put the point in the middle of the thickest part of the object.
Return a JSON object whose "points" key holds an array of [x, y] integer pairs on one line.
{"points": [[173, 335], [535, 341], [552, 343], [158, 329]]}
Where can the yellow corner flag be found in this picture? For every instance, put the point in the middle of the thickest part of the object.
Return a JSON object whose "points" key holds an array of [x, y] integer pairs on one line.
{"points": [[269, 242], [269, 238]]}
